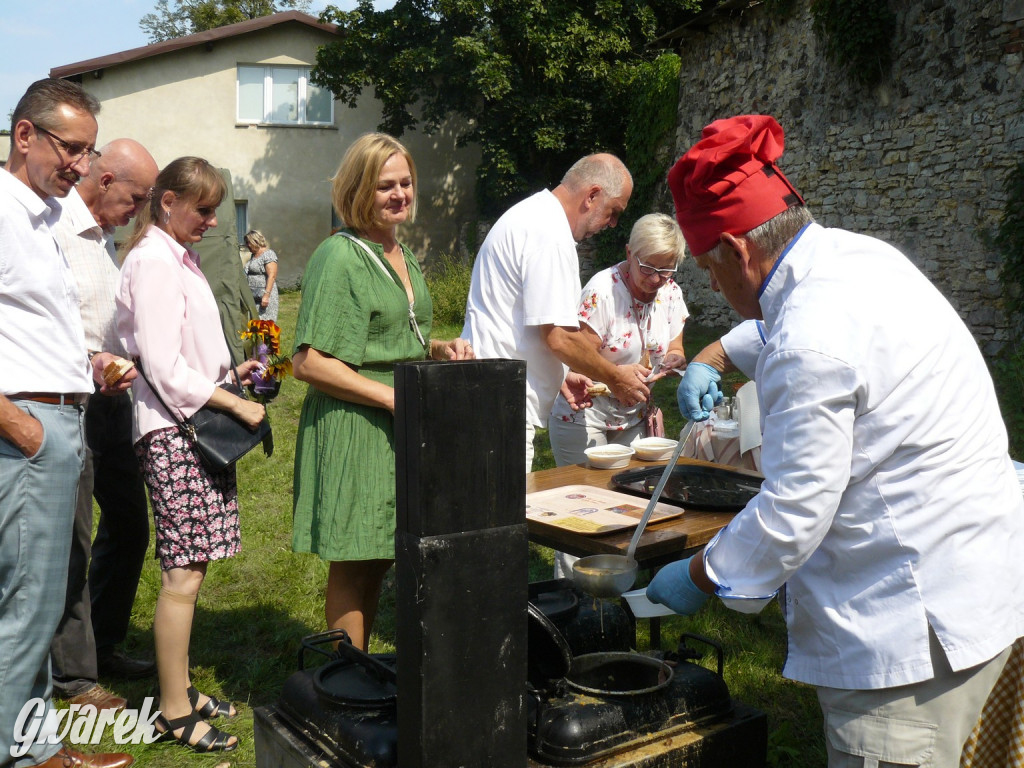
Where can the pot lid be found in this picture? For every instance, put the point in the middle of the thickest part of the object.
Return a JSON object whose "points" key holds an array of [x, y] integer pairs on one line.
{"points": [[548, 654], [556, 598], [357, 682]]}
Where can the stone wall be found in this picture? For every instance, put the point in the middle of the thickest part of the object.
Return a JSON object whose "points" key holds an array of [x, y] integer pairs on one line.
{"points": [[920, 161]]}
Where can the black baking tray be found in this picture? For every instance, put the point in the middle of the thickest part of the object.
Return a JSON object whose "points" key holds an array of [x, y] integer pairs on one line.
{"points": [[711, 489]]}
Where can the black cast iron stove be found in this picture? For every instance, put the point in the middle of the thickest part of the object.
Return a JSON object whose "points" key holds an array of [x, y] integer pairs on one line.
{"points": [[491, 672]]}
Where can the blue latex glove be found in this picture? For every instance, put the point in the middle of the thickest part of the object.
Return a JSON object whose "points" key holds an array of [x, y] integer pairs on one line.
{"points": [[673, 587], [698, 392]]}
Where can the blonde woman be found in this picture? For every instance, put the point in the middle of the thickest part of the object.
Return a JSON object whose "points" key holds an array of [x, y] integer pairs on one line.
{"points": [[632, 312], [261, 272], [365, 306], [165, 312]]}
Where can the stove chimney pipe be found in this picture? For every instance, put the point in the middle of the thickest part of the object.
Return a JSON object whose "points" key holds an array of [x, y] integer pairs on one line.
{"points": [[461, 558]]}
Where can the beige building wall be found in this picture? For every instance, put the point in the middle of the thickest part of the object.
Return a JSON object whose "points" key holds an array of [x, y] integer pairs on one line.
{"points": [[184, 103]]}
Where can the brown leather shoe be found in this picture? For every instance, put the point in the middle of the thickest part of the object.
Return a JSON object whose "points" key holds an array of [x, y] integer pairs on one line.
{"points": [[100, 698], [69, 758]]}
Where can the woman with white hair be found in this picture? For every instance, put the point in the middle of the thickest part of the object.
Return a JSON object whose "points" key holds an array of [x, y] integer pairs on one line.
{"points": [[633, 312]]}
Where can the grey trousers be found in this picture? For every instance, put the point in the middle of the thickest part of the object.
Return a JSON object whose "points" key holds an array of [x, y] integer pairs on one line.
{"points": [[924, 724], [37, 503]]}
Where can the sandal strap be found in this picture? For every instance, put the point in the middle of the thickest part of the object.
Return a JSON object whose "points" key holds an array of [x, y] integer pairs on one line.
{"points": [[214, 740], [214, 707], [187, 723]]}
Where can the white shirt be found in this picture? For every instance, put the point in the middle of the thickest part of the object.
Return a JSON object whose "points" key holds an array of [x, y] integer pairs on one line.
{"points": [[526, 275], [889, 502], [627, 328], [42, 347], [90, 251]]}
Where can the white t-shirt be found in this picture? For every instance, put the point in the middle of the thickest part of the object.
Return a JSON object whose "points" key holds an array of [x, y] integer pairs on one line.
{"points": [[526, 275], [626, 327]]}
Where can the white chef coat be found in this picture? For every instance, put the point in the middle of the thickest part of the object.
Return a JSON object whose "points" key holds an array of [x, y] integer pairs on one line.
{"points": [[889, 503], [526, 275]]}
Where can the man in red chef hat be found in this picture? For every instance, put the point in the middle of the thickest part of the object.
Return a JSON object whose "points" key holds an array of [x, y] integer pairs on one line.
{"points": [[890, 522]]}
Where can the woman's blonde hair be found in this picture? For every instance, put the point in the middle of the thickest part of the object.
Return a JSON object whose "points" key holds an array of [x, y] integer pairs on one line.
{"points": [[254, 240], [193, 179], [655, 234], [355, 183]]}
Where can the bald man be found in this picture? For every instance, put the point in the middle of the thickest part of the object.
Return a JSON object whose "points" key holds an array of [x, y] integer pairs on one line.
{"points": [[101, 592], [525, 289]]}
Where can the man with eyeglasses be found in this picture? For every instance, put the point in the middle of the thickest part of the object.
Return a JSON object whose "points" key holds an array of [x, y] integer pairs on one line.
{"points": [[890, 521], [525, 289], [101, 591], [44, 382]]}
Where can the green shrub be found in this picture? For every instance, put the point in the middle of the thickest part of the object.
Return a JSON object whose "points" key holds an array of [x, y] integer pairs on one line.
{"points": [[448, 280]]}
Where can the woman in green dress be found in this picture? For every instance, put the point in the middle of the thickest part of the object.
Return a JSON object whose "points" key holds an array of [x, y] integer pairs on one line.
{"points": [[365, 307]]}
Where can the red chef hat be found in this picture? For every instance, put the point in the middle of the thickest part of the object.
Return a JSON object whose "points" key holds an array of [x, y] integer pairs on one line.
{"points": [[728, 181]]}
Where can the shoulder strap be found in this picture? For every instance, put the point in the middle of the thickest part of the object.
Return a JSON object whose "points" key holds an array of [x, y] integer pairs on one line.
{"points": [[183, 423], [376, 260]]}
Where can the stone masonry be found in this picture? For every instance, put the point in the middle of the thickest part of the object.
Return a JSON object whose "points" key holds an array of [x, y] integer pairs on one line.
{"points": [[919, 161]]}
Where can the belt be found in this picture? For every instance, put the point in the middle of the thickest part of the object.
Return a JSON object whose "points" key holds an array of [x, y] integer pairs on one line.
{"points": [[52, 398]]}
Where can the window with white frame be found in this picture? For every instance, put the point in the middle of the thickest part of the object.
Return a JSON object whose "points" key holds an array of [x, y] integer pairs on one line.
{"points": [[241, 220], [282, 96]]}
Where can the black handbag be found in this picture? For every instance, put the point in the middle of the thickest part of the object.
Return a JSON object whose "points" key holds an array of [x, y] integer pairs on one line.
{"points": [[219, 438]]}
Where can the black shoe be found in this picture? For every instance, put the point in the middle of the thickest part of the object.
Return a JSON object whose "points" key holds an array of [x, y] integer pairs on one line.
{"points": [[122, 667]]}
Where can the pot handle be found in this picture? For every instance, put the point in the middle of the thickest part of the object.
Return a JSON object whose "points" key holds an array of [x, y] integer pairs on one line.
{"points": [[685, 652], [310, 642]]}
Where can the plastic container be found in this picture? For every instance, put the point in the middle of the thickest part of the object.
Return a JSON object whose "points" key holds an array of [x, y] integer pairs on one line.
{"points": [[653, 448], [609, 456], [643, 608]]}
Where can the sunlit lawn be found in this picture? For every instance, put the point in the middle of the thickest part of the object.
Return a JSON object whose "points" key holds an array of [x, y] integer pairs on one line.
{"points": [[255, 608]]}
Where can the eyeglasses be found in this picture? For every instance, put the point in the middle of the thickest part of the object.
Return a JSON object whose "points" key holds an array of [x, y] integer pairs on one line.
{"points": [[647, 269], [75, 150]]}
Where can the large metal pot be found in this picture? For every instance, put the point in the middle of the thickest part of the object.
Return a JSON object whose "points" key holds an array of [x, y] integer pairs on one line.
{"points": [[618, 674]]}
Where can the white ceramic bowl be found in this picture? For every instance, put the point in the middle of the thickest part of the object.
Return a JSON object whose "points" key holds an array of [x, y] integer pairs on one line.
{"points": [[654, 448], [609, 456]]}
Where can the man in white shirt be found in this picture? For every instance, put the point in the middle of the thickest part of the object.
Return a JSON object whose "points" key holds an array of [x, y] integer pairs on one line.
{"points": [[890, 511], [101, 591], [44, 382], [525, 289]]}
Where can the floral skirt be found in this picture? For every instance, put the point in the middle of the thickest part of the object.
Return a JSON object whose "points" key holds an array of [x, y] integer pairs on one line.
{"points": [[195, 511]]}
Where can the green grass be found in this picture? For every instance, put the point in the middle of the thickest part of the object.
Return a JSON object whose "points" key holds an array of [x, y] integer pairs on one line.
{"points": [[255, 608]]}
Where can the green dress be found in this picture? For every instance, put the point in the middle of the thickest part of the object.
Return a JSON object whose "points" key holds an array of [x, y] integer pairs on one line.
{"points": [[351, 309]]}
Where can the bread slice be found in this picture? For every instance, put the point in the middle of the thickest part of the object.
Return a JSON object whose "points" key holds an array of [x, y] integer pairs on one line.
{"points": [[115, 370]]}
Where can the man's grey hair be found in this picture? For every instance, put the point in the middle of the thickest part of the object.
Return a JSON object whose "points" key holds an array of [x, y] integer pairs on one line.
{"points": [[604, 170], [772, 236], [41, 100]]}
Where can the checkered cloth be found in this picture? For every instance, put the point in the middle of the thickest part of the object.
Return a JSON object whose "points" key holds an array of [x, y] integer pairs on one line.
{"points": [[998, 738]]}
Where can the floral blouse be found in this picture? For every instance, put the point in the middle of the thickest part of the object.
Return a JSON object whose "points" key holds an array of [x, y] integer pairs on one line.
{"points": [[628, 328]]}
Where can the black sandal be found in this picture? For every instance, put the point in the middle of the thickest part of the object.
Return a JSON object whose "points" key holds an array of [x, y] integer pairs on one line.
{"points": [[212, 708], [213, 740]]}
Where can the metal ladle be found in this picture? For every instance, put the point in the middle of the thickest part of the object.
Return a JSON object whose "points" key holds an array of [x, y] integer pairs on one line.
{"points": [[609, 576]]}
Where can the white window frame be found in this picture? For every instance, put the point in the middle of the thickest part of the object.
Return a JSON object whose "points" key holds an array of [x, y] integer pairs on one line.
{"points": [[268, 96]]}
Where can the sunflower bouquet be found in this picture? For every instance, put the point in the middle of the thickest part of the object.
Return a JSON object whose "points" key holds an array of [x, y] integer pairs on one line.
{"points": [[265, 337]]}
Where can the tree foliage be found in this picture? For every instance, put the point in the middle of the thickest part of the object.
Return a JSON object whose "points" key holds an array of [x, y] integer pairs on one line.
{"points": [[535, 83], [186, 17]]}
